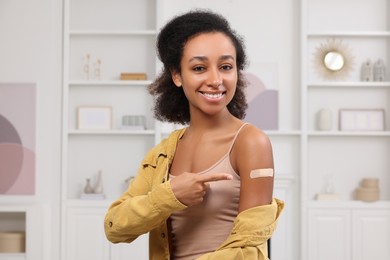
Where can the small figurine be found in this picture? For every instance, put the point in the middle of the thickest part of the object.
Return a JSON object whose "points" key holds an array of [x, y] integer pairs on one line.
{"points": [[379, 71], [88, 188], [367, 71], [97, 69], [86, 66], [99, 184]]}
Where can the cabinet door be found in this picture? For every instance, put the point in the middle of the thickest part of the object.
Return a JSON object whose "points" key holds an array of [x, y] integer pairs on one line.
{"points": [[85, 238], [329, 234], [371, 238], [138, 249]]}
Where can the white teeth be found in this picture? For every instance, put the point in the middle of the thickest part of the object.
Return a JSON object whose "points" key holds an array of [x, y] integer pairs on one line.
{"points": [[213, 95]]}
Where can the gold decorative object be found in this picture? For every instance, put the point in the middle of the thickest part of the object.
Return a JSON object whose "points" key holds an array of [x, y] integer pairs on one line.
{"points": [[333, 59]]}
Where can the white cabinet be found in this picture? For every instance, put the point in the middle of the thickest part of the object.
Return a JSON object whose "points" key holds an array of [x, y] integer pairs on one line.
{"points": [[336, 159], [85, 234], [32, 219], [138, 249], [349, 232], [371, 229], [86, 239], [329, 234]]}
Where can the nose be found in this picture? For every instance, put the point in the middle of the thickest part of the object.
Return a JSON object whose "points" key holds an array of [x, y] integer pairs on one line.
{"points": [[214, 79]]}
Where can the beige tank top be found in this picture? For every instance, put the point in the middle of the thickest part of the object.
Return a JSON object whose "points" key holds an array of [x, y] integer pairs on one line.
{"points": [[202, 228]]}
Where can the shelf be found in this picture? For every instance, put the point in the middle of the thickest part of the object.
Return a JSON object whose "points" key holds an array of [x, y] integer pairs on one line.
{"points": [[13, 256], [112, 33], [349, 34], [351, 204], [349, 133], [282, 133], [110, 83], [112, 132], [349, 84]]}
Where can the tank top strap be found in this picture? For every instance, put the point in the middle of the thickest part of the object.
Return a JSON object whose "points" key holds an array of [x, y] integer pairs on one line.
{"points": [[235, 137]]}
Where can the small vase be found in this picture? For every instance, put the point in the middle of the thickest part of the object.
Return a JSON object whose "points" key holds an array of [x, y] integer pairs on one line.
{"points": [[99, 183], [324, 120], [88, 188]]}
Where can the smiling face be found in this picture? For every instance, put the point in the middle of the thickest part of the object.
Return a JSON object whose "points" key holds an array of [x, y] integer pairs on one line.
{"points": [[208, 73]]}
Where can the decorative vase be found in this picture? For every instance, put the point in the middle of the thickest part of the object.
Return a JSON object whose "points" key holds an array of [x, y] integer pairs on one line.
{"points": [[324, 120], [99, 183], [88, 188], [379, 71], [367, 71]]}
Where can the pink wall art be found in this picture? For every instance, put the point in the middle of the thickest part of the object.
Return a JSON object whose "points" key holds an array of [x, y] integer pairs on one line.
{"points": [[263, 106], [17, 138]]}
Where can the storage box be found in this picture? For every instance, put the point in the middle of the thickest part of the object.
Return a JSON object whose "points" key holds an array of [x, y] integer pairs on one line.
{"points": [[12, 242], [133, 76]]}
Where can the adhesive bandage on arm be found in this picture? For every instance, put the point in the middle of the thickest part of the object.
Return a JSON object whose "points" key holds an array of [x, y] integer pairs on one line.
{"points": [[257, 173]]}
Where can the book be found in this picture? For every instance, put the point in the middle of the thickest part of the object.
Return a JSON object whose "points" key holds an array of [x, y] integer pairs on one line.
{"points": [[132, 76]]}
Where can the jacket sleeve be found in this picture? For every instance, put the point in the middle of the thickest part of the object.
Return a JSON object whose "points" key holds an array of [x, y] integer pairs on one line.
{"points": [[146, 204], [251, 230]]}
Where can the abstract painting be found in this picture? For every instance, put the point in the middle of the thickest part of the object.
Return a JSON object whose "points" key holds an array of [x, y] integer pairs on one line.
{"points": [[17, 138], [263, 104]]}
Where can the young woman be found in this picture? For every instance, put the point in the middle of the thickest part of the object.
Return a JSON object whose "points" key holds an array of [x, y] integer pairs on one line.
{"points": [[205, 192]]}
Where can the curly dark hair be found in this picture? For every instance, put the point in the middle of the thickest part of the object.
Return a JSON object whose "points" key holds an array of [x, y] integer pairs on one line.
{"points": [[171, 105]]}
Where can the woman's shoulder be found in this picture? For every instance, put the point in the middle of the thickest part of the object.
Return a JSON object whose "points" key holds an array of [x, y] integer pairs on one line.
{"points": [[252, 136]]}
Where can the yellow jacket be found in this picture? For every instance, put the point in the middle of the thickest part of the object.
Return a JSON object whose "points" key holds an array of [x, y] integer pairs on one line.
{"points": [[149, 201]]}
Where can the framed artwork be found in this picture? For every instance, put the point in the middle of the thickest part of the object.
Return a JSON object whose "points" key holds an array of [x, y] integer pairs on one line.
{"points": [[362, 120], [17, 138], [94, 118]]}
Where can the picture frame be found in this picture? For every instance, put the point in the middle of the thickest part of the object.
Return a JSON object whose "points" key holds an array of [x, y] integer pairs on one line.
{"points": [[94, 118], [362, 120]]}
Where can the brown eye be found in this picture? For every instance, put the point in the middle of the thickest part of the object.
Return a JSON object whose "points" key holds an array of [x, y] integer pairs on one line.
{"points": [[226, 67], [198, 69]]}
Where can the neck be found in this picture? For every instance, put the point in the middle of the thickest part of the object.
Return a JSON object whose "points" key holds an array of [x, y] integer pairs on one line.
{"points": [[200, 123]]}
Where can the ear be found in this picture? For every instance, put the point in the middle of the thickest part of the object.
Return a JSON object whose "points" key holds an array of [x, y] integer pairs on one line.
{"points": [[176, 78]]}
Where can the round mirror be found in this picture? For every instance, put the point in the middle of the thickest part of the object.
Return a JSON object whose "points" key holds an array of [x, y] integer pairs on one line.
{"points": [[334, 61]]}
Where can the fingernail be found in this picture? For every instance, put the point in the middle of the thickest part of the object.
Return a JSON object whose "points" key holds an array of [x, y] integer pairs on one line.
{"points": [[229, 177]]}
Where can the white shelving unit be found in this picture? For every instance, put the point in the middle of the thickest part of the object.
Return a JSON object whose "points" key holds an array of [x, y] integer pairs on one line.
{"points": [[345, 157], [121, 36]]}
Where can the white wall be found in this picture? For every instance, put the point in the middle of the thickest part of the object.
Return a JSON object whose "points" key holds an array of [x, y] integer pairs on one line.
{"points": [[30, 51], [271, 33]]}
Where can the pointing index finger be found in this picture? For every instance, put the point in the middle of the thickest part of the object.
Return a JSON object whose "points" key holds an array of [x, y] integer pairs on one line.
{"points": [[216, 177]]}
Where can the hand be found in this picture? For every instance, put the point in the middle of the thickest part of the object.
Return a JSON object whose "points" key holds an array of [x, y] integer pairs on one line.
{"points": [[190, 188]]}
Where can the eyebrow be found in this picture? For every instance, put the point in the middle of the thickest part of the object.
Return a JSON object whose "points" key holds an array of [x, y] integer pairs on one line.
{"points": [[204, 58]]}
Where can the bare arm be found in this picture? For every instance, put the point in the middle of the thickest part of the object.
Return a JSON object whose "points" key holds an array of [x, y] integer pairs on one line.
{"points": [[253, 152]]}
